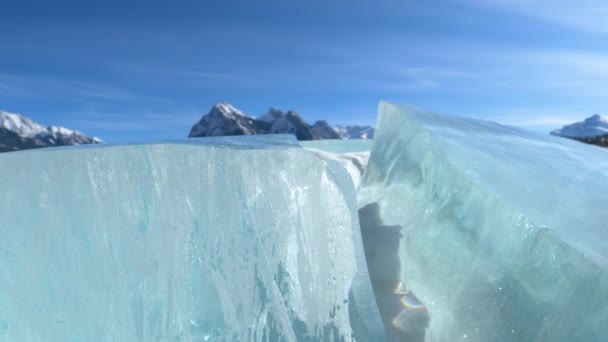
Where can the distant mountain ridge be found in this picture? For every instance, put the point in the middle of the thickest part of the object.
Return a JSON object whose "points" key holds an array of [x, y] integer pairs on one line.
{"points": [[224, 119], [592, 130], [355, 132], [18, 132]]}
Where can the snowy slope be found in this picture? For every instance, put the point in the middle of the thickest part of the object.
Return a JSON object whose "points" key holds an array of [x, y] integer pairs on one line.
{"points": [[17, 132], [20, 125], [593, 126]]}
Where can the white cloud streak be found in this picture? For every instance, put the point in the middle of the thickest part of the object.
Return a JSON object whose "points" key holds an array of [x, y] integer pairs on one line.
{"points": [[43, 87], [587, 15], [193, 77]]}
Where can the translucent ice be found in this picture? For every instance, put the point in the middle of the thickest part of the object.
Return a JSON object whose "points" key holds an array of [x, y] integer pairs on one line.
{"points": [[351, 154], [248, 239], [339, 145], [473, 232], [504, 232]]}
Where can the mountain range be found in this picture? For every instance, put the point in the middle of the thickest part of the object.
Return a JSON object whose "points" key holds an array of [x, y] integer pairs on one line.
{"points": [[592, 130], [224, 119], [18, 132]]}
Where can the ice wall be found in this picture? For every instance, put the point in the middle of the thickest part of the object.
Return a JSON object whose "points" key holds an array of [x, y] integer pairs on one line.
{"points": [[249, 239], [504, 233]]}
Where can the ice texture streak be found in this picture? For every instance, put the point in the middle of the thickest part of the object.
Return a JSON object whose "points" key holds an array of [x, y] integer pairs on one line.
{"points": [[219, 239], [503, 231]]}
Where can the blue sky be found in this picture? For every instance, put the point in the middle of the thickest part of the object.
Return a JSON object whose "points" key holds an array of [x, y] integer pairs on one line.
{"points": [[147, 70]]}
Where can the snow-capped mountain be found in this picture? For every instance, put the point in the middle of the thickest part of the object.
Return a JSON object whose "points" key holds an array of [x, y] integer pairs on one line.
{"points": [[325, 131], [224, 119], [292, 123], [355, 132], [593, 130], [272, 115], [17, 132], [20, 124]]}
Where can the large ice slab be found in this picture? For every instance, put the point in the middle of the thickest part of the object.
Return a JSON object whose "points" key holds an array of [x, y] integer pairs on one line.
{"points": [[504, 232], [248, 238]]}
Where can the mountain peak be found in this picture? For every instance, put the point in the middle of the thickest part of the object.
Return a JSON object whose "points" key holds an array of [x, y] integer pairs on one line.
{"points": [[597, 119], [272, 115], [226, 109], [223, 120], [324, 130], [292, 123], [294, 115], [20, 124], [18, 132], [594, 126]]}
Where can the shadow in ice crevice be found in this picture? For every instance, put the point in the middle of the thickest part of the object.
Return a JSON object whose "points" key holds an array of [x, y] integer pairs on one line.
{"points": [[405, 317]]}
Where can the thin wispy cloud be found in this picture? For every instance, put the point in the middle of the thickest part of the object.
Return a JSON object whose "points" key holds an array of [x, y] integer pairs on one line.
{"points": [[194, 77], [587, 15], [476, 66], [177, 72], [579, 61], [426, 72], [44, 87], [9, 89], [575, 73], [535, 117], [422, 84], [516, 60], [426, 77]]}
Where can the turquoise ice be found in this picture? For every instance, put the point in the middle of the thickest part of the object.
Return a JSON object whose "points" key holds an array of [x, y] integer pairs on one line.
{"points": [[504, 231], [248, 239]]}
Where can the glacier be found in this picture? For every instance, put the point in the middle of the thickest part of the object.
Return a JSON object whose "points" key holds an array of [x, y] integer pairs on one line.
{"points": [[249, 238], [503, 233], [442, 228]]}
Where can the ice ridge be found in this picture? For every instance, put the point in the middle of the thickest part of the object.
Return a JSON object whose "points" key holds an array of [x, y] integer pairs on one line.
{"points": [[492, 257]]}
